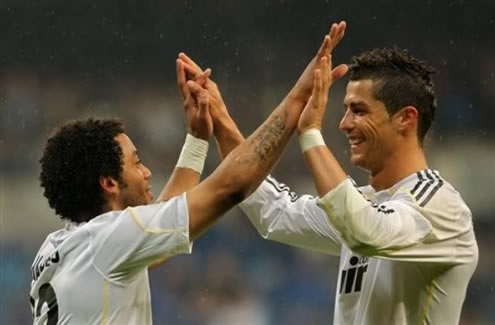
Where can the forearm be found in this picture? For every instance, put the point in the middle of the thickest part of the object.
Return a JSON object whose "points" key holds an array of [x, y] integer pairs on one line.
{"points": [[188, 170], [259, 153], [247, 165], [227, 135], [279, 214], [181, 180], [325, 169]]}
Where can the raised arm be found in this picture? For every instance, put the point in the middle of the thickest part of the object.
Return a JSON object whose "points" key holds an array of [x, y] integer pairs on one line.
{"points": [[368, 229], [326, 171], [199, 127], [277, 213], [247, 165], [227, 134]]}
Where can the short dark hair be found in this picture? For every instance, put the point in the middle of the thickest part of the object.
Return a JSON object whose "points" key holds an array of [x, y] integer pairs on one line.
{"points": [[399, 80], [74, 158]]}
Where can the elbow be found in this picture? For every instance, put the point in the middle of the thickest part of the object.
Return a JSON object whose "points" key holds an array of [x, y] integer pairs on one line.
{"points": [[362, 248], [241, 184], [234, 189], [240, 176], [362, 242], [236, 197]]}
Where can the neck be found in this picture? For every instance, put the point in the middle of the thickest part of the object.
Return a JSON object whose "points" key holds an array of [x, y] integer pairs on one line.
{"points": [[112, 205], [400, 164]]}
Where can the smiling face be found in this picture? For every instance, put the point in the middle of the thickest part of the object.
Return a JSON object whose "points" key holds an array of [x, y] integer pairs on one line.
{"points": [[368, 127], [135, 187]]}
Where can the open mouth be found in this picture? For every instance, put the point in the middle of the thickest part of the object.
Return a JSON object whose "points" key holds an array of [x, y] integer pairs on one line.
{"points": [[355, 142]]}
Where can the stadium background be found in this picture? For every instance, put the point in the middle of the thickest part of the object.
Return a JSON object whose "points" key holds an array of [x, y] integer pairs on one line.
{"points": [[62, 60]]}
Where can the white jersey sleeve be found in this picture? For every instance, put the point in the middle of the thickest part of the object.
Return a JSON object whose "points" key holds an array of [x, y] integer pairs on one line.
{"points": [[139, 236], [280, 215], [401, 226]]}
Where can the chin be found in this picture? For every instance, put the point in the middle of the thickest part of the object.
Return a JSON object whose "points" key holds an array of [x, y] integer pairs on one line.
{"points": [[357, 160], [360, 162]]}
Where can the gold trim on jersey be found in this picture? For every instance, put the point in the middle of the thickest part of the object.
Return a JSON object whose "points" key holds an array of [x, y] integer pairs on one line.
{"points": [[422, 316], [104, 317], [151, 230]]}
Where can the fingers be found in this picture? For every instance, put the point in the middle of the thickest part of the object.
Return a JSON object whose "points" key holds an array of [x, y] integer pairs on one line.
{"points": [[325, 46], [203, 101], [203, 77], [195, 69], [194, 87], [181, 79], [326, 65], [339, 71], [336, 34], [318, 86], [199, 94], [332, 38]]}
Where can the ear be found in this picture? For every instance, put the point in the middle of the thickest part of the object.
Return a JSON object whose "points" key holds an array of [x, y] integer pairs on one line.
{"points": [[406, 119], [109, 186]]}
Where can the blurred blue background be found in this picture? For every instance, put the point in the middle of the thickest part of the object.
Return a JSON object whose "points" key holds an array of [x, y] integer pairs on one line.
{"points": [[62, 60]]}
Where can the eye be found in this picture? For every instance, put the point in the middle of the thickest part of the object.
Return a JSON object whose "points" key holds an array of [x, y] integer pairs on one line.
{"points": [[358, 111]]}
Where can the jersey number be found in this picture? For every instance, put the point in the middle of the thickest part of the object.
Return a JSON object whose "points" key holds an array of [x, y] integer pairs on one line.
{"points": [[46, 295]]}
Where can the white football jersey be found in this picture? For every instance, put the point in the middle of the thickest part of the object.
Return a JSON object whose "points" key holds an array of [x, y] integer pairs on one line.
{"points": [[406, 253], [97, 272]]}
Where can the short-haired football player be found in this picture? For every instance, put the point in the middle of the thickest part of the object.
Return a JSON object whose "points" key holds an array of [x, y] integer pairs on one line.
{"points": [[406, 242]]}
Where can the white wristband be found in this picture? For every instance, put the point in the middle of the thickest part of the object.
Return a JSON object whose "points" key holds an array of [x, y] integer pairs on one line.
{"points": [[311, 138], [193, 154]]}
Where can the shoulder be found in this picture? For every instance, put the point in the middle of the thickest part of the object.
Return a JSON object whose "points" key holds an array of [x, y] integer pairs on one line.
{"points": [[438, 201], [431, 191], [167, 213]]}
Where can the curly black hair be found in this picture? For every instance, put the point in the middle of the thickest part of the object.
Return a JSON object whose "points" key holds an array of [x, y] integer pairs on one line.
{"points": [[399, 80], [74, 158]]}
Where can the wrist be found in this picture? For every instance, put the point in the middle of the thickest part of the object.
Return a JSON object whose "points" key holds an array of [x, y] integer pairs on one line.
{"points": [[303, 129], [193, 154], [200, 133], [310, 138], [296, 98], [223, 124]]}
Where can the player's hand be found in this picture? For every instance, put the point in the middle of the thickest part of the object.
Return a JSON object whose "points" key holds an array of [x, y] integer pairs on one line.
{"points": [[323, 78], [196, 104], [218, 109], [303, 88]]}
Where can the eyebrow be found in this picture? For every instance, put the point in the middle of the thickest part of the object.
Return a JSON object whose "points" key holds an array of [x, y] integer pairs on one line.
{"points": [[358, 102], [355, 104]]}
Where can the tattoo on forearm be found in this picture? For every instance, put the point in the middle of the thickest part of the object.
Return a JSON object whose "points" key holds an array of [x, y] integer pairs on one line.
{"points": [[266, 140]]}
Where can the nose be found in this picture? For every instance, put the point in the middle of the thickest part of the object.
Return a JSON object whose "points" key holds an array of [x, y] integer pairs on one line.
{"points": [[346, 123], [146, 172]]}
